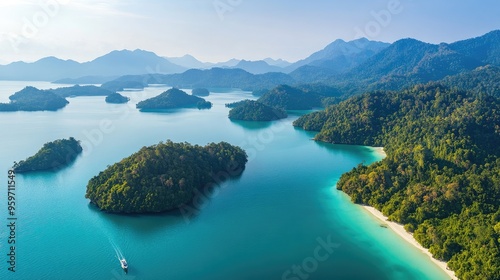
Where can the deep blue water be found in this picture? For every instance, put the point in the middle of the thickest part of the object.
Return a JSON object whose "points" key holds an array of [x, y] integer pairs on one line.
{"points": [[282, 219]]}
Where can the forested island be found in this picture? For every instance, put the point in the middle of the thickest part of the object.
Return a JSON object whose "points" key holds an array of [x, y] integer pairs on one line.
{"points": [[249, 110], [173, 98], [200, 92], [52, 156], [441, 174], [116, 98], [78, 90], [33, 99], [163, 177]]}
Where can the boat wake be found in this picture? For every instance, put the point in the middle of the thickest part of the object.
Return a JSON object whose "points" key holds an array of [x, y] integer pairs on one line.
{"points": [[118, 252]]}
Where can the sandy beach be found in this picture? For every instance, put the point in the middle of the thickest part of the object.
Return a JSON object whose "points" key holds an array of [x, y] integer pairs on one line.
{"points": [[399, 230]]}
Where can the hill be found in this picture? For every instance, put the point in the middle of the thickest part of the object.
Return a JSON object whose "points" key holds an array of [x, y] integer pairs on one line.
{"points": [[249, 110], [78, 90], [163, 177], [290, 98], [440, 177], [171, 99]]}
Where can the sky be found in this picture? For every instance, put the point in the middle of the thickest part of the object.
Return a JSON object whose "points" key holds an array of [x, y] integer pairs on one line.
{"points": [[218, 30]]}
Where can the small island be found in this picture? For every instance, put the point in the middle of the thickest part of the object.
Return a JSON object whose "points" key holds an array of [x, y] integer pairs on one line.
{"points": [[33, 99], [116, 98], [52, 156], [163, 177], [249, 110], [172, 99], [200, 92]]}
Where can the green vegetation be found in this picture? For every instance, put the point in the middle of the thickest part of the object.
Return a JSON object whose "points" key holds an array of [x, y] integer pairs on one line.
{"points": [[33, 99], [163, 177], [249, 110], [290, 98], [200, 92], [116, 98], [78, 90], [171, 99], [441, 176], [52, 156]]}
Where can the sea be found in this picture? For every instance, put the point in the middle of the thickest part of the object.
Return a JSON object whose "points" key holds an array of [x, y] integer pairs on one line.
{"points": [[281, 219]]}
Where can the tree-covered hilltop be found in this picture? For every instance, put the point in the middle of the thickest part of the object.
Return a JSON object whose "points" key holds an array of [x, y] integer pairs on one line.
{"points": [[441, 176], [52, 156], [200, 92], [78, 90], [171, 99], [249, 110], [163, 176], [33, 99], [117, 98], [290, 98]]}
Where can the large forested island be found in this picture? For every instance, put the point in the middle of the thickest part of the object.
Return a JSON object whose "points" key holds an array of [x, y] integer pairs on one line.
{"points": [[441, 176], [173, 98], [249, 110], [33, 99], [52, 156], [78, 90], [163, 177]]}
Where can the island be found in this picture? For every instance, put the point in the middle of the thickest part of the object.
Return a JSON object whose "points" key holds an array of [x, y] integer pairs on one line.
{"points": [[249, 110], [172, 99], [200, 92], [52, 156], [33, 99], [78, 90], [116, 98], [164, 177], [121, 85], [291, 98]]}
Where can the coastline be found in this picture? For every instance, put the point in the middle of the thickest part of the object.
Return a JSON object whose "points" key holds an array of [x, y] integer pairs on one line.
{"points": [[408, 237]]}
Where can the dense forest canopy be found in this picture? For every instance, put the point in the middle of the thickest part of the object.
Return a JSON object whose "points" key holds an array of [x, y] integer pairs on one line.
{"points": [[249, 110], [163, 176], [441, 176], [52, 156]]}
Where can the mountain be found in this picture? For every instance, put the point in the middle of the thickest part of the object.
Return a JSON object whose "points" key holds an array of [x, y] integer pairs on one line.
{"points": [[277, 62], [125, 62], [226, 64], [485, 49], [116, 63], [45, 69], [257, 67], [190, 62], [347, 54]]}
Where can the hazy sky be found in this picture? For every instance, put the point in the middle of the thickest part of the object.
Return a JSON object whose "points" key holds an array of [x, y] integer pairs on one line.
{"points": [[217, 30]]}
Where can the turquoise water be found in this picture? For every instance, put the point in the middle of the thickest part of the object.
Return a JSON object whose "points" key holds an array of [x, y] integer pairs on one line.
{"points": [[282, 219]]}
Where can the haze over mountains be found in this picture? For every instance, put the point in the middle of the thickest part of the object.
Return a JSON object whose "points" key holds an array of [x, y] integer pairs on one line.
{"points": [[369, 63]]}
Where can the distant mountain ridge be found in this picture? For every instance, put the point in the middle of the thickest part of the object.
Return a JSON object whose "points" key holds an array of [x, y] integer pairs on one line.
{"points": [[115, 63]]}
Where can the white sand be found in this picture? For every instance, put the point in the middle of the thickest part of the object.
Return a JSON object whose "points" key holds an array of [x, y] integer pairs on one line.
{"points": [[380, 151], [399, 230]]}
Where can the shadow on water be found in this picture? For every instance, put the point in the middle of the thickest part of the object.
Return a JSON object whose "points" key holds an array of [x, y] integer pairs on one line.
{"points": [[253, 125], [149, 223]]}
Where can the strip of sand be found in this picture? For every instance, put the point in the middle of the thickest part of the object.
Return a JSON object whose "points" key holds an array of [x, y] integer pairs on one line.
{"points": [[399, 230]]}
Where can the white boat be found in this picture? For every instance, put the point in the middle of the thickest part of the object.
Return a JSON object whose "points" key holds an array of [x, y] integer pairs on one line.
{"points": [[124, 264]]}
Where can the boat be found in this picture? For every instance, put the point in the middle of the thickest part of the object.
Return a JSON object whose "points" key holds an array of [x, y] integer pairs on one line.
{"points": [[124, 264]]}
